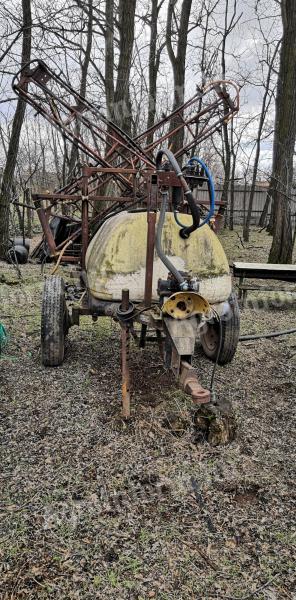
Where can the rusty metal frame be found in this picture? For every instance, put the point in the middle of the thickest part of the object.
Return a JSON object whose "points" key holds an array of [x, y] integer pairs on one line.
{"points": [[32, 84], [167, 179], [124, 157]]}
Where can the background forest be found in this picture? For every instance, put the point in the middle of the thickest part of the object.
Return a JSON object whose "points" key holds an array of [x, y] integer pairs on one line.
{"points": [[138, 60]]}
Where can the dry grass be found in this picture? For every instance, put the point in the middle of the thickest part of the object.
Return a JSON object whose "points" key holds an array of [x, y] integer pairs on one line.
{"points": [[93, 508]]}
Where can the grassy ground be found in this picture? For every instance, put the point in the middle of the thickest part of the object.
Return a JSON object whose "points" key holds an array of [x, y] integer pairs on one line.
{"points": [[95, 508]]}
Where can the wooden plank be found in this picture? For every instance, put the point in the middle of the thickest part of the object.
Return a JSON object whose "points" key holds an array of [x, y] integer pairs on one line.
{"points": [[264, 271], [263, 288], [264, 266]]}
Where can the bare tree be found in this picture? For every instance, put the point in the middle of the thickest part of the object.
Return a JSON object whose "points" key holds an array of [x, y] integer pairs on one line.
{"points": [[85, 61], [154, 62], [109, 57], [230, 22], [126, 28], [266, 101], [284, 140], [208, 53], [11, 158], [178, 58]]}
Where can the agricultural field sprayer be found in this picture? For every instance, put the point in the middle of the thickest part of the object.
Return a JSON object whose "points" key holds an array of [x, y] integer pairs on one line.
{"points": [[130, 218]]}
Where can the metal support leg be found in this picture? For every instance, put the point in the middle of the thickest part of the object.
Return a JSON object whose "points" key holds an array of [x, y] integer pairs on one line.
{"points": [[85, 232], [241, 281], [142, 342], [160, 343], [125, 343], [151, 220]]}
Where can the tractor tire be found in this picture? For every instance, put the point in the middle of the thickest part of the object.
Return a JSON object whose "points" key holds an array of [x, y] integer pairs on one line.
{"points": [[17, 255], [229, 329], [20, 241], [54, 322]]}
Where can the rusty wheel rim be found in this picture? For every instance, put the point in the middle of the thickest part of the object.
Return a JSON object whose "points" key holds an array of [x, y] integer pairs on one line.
{"points": [[211, 337]]}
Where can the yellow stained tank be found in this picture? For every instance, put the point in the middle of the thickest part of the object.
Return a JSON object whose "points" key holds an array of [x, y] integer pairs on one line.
{"points": [[116, 258]]}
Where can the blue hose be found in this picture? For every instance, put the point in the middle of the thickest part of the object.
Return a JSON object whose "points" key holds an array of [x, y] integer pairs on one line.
{"points": [[211, 212]]}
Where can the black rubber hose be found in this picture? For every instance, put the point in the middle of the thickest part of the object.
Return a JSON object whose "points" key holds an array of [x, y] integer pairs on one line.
{"points": [[171, 158], [169, 265], [212, 384], [195, 212], [244, 338], [194, 209]]}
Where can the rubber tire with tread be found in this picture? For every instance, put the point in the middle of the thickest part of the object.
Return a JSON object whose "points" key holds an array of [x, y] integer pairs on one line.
{"points": [[54, 322], [230, 325]]}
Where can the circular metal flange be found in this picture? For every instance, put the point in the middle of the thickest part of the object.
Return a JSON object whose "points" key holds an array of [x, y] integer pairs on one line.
{"points": [[183, 305]]}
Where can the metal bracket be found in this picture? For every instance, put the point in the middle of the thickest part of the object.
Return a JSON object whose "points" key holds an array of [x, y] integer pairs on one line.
{"points": [[190, 384], [182, 334]]}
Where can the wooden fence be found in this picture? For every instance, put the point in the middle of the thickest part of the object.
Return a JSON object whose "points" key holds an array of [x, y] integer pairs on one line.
{"points": [[241, 203]]}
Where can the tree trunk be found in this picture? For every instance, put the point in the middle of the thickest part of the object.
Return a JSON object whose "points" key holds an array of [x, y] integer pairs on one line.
{"points": [[225, 137], [229, 25], [29, 211], [154, 61], [232, 192], [232, 195], [270, 224], [264, 213], [227, 168], [264, 110], [109, 58], [84, 70], [12, 152], [284, 140], [178, 62], [244, 200], [122, 102]]}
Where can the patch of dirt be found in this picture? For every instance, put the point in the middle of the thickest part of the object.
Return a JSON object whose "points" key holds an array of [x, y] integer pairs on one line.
{"points": [[92, 507]]}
